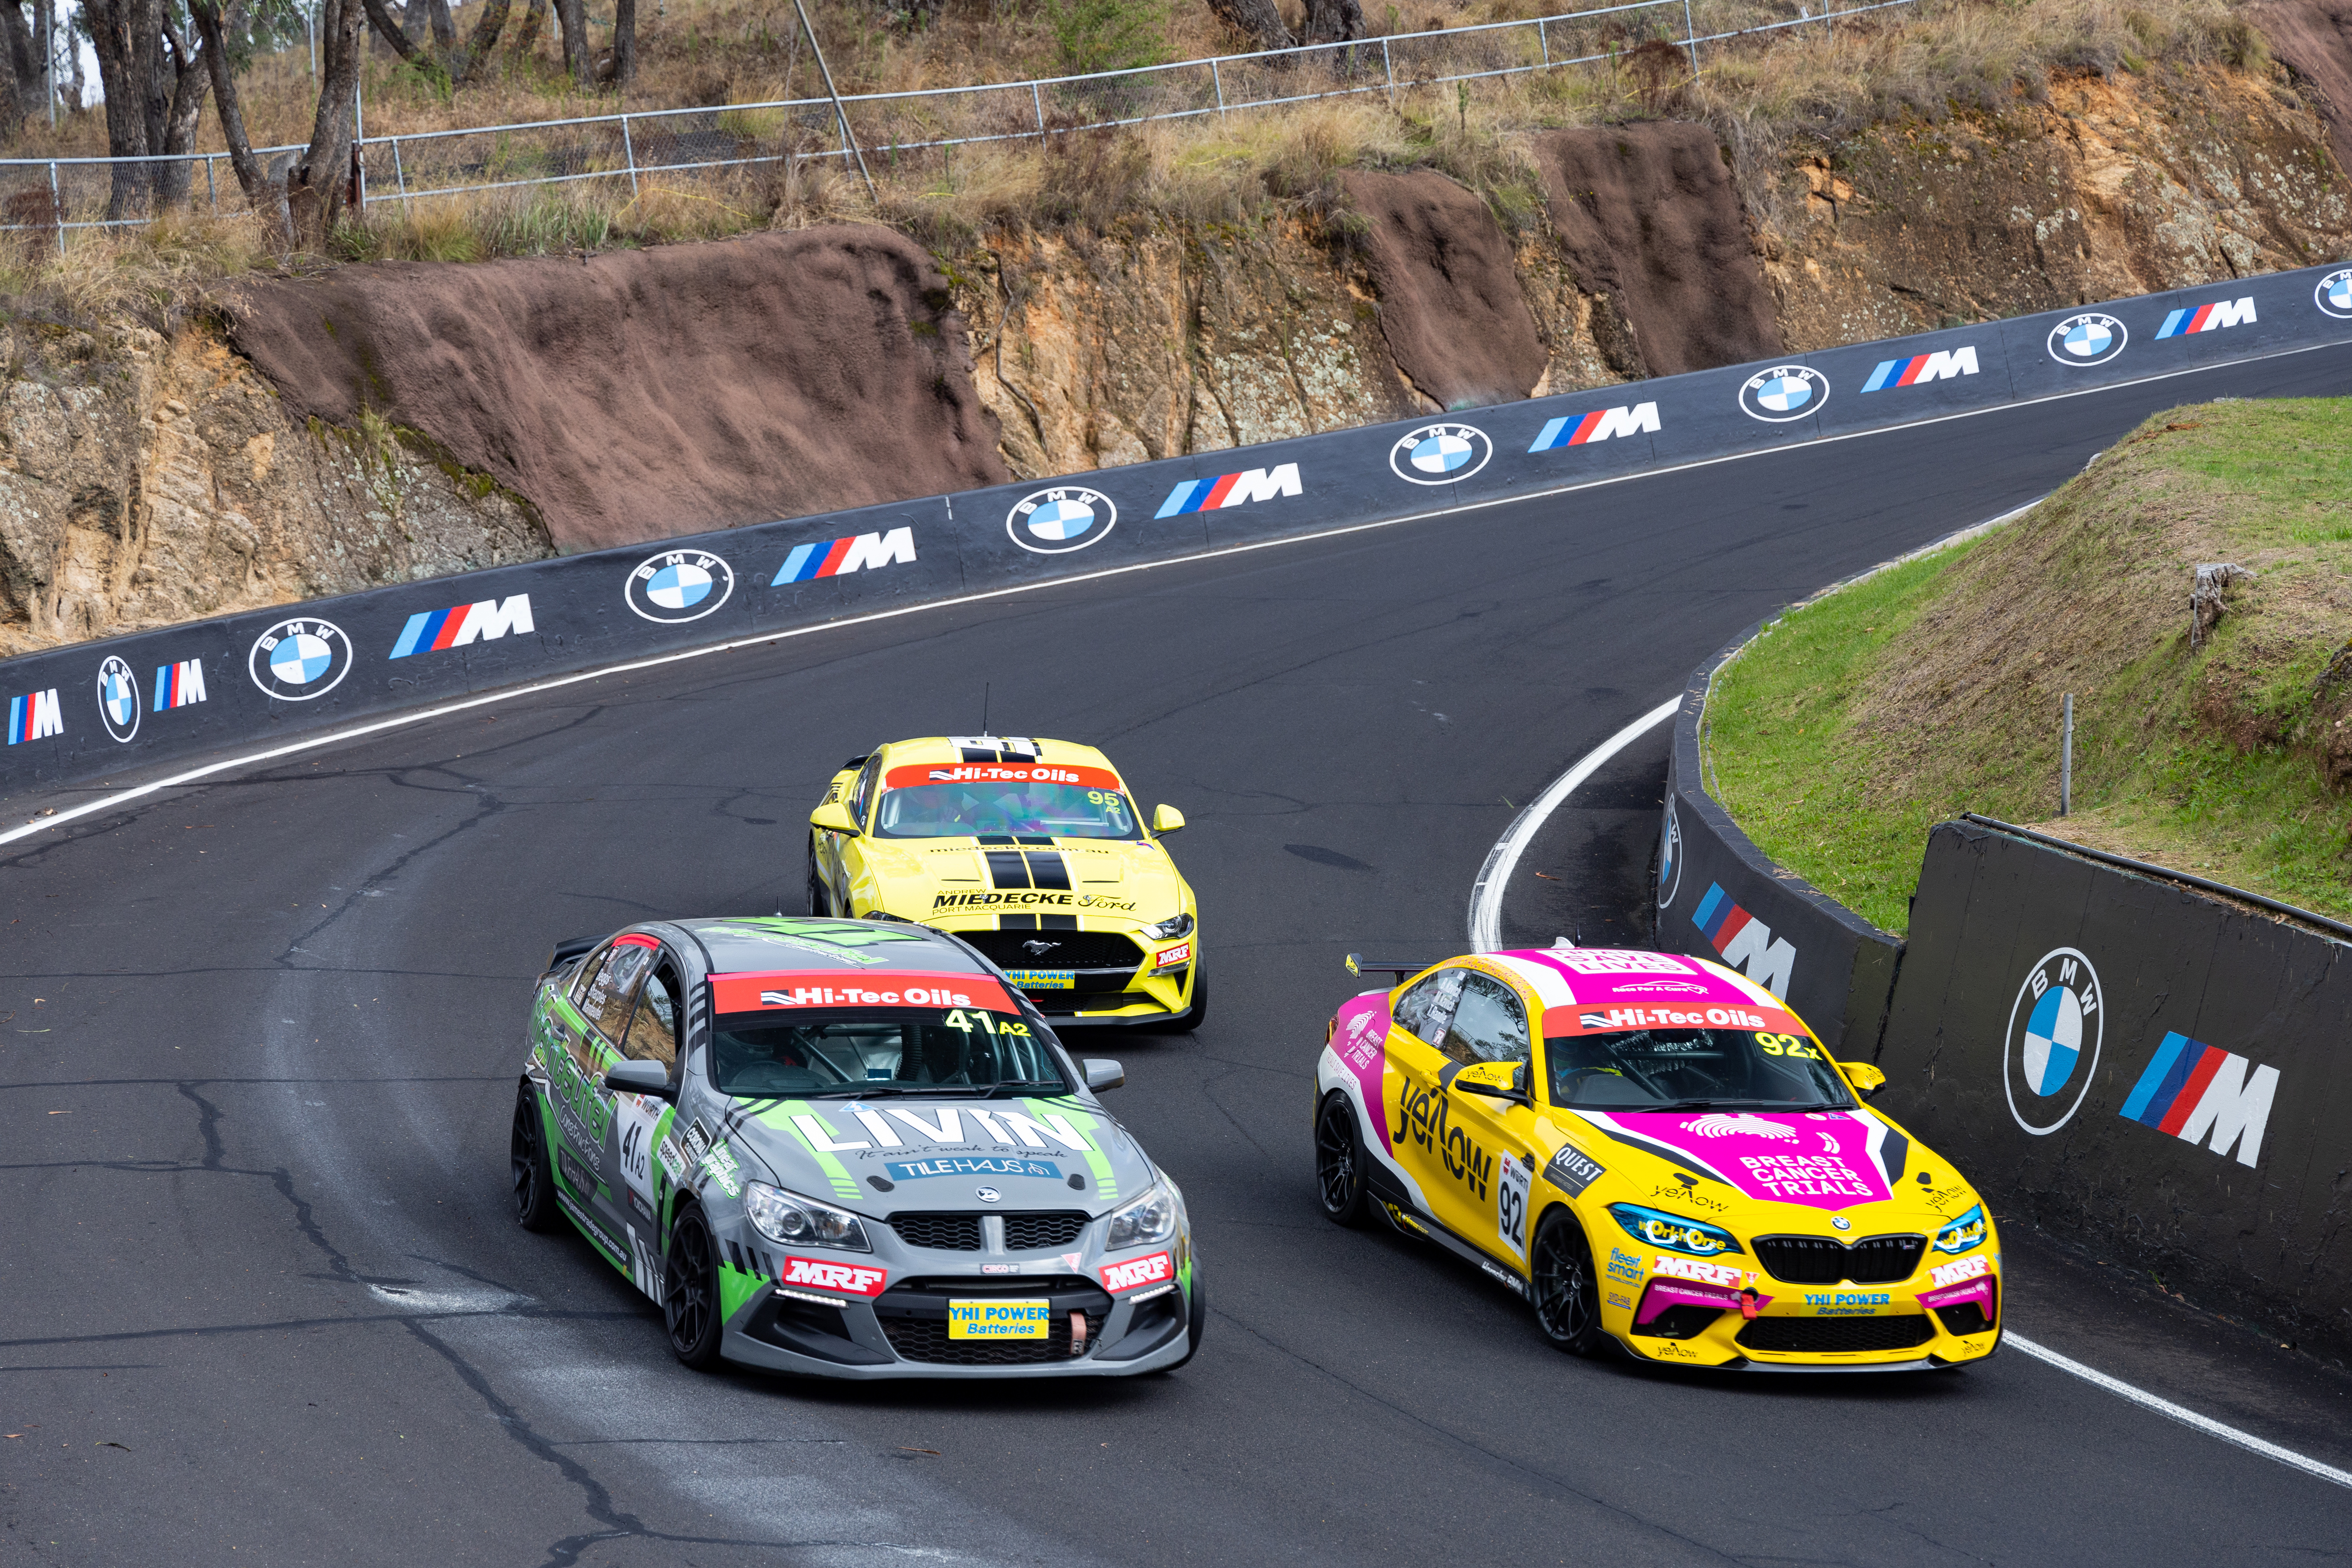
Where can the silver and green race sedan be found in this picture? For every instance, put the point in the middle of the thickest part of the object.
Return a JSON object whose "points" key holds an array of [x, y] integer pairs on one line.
{"points": [[848, 1148]]}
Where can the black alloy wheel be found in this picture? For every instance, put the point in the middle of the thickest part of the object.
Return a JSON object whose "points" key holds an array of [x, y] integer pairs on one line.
{"points": [[1567, 1294], [534, 1182], [1338, 1162], [690, 1292]]}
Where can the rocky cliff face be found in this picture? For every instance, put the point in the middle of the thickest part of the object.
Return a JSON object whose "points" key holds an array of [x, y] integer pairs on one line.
{"points": [[144, 480]]}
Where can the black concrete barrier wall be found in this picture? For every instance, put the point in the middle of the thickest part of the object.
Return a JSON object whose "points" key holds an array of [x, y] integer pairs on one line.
{"points": [[301, 669], [2131, 1062], [1720, 897]]}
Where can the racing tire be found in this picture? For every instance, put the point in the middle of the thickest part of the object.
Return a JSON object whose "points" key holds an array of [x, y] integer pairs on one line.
{"points": [[535, 1179], [1338, 1162], [690, 1302], [1563, 1287], [1193, 1017], [820, 902]]}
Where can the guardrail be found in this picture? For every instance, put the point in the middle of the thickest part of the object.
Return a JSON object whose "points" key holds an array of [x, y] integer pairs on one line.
{"points": [[718, 139], [90, 709]]}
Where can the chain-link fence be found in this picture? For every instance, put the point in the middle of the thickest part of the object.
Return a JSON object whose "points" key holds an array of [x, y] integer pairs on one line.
{"points": [[60, 194]]}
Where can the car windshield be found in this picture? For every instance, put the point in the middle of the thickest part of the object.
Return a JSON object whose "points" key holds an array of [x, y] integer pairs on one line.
{"points": [[881, 1051], [1682, 1069], [970, 809]]}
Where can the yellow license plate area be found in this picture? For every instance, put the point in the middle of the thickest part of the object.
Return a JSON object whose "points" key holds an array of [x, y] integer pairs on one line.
{"points": [[1000, 1320]]}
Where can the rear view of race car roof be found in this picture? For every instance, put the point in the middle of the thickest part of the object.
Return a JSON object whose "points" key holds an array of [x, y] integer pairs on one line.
{"points": [[788, 941], [995, 748]]}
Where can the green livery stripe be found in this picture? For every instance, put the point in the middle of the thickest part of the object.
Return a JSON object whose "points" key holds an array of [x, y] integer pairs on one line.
{"points": [[1106, 1179], [844, 1185], [736, 1290]]}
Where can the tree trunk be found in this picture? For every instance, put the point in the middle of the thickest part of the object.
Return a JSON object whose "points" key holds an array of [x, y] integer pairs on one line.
{"points": [[389, 29], [469, 65], [1334, 21], [442, 26], [624, 42], [268, 197], [23, 100], [119, 30], [75, 81], [317, 184], [190, 83], [1256, 20], [45, 48], [573, 15]]}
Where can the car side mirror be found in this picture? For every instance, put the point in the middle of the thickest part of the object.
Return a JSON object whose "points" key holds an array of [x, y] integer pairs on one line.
{"points": [[1496, 1081], [834, 817], [1166, 819], [640, 1078], [1103, 1073], [1867, 1080]]}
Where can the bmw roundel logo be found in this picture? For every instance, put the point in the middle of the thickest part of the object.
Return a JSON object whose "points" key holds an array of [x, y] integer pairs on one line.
{"points": [[299, 658], [1783, 393], [1670, 858], [2091, 338], [118, 698], [1839, 1222], [1440, 454], [2334, 294], [2053, 1048], [1058, 521], [679, 585]]}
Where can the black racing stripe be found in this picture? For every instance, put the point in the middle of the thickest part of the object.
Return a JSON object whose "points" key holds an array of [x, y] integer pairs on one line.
{"points": [[1020, 922], [1445, 1074], [1042, 840], [1006, 869], [979, 754], [1058, 922], [998, 839], [1048, 868], [1895, 1153], [1675, 1157]]}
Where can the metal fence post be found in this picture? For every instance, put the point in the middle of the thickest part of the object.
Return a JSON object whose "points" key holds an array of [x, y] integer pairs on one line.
{"points": [[1038, 99], [399, 174], [212, 193], [2066, 759], [56, 208], [1387, 68], [1690, 36], [1544, 39], [629, 151], [1218, 76]]}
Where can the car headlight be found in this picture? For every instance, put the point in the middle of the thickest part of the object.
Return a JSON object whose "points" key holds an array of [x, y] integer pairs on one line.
{"points": [[1673, 1232], [790, 1220], [1169, 928], [1149, 1219], [1964, 1233]]}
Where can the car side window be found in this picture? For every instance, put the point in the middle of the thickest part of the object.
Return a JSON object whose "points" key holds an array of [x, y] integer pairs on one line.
{"points": [[613, 992], [1428, 1007], [584, 977], [653, 1032], [1487, 1026], [861, 793]]}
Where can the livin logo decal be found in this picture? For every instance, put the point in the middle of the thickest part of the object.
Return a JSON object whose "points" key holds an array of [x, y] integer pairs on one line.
{"points": [[2190, 1089]]}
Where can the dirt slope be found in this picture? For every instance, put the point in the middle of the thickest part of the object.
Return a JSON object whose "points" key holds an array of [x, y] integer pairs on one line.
{"points": [[644, 394], [1450, 309], [1652, 220], [2314, 38]]}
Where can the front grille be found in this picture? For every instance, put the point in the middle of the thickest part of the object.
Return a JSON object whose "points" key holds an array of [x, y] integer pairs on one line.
{"points": [[1964, 1318], [1071, 949], [945, 1232], [1833, 1336], [925, 1340], [1685, 1321], [1818, 1261], [1038, 1232]]}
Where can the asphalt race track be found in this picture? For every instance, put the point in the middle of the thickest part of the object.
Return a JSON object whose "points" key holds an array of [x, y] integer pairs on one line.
{"points": [[266, 1304]]}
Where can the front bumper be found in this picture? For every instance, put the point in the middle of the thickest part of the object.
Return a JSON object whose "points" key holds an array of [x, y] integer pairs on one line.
{"points": [[902, 1330], [1912, 1327]]}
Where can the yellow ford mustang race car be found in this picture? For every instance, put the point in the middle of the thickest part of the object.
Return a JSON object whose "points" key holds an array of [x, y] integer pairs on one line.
{"points": [[1652, 1150], [1034, 853]]}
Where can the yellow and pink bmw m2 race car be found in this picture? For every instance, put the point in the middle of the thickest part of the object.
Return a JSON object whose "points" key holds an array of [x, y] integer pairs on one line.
{"points": [[1652, 1150]]}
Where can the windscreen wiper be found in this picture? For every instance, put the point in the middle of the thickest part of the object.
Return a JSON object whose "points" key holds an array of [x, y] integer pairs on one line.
{"points": [[1022, 1086]]}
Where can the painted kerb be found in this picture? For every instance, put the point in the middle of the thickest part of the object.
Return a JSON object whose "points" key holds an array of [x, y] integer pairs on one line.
{"points": [[91, 710], [2137, 1066]]}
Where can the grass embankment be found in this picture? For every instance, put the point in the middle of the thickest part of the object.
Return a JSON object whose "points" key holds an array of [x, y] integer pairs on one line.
{"points": [[1935, 688], [1761, 92]]}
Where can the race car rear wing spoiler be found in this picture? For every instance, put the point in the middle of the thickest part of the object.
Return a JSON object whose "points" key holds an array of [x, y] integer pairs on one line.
{"points": [[1357, 964]]}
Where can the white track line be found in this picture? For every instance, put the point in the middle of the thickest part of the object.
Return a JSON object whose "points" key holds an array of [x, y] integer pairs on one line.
{"points": [[1486, 892], [2186, 1417], [192, 776]]}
